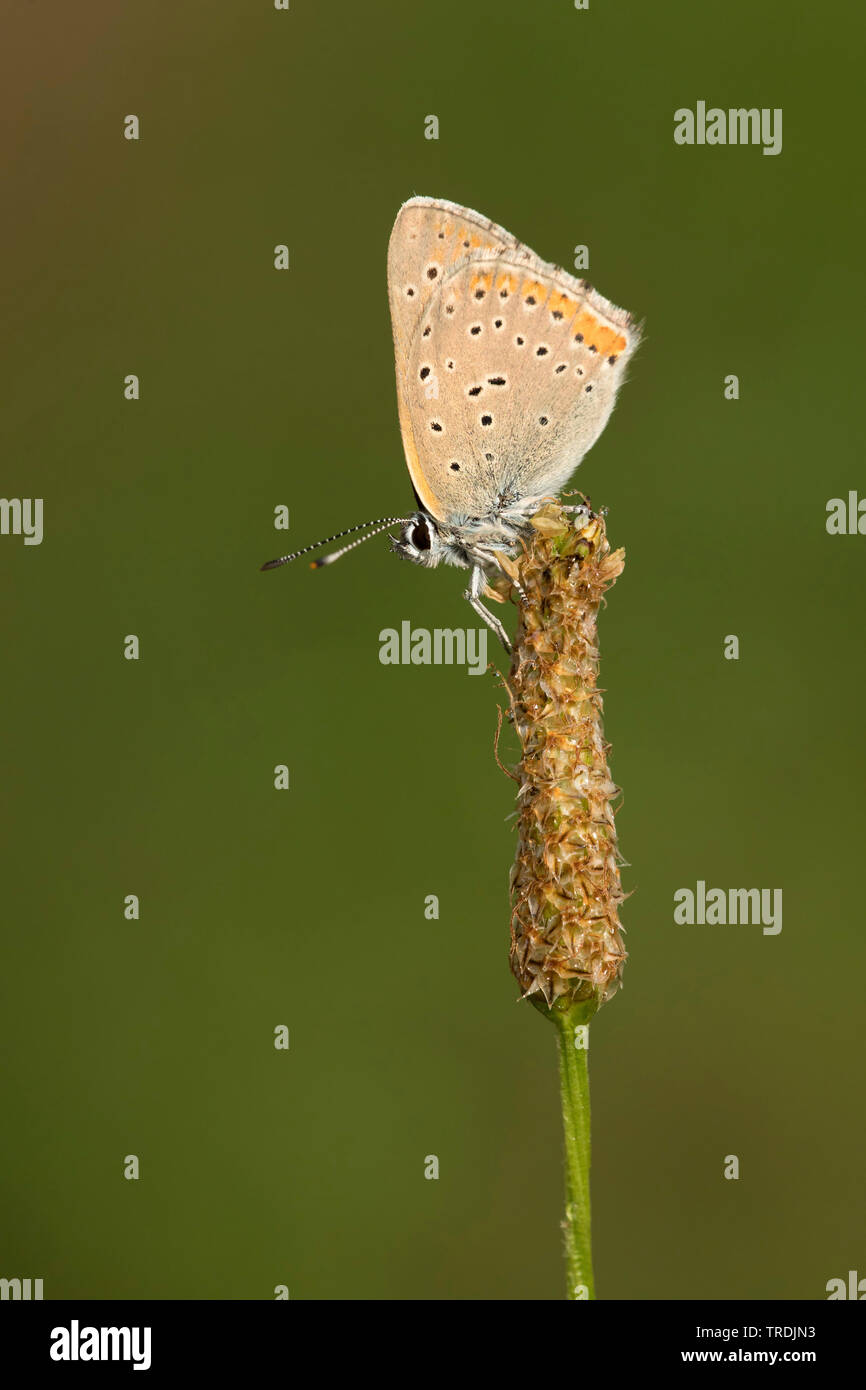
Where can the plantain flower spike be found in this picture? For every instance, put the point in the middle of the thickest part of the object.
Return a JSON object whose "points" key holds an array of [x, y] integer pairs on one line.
{"points": [[566, 937]]}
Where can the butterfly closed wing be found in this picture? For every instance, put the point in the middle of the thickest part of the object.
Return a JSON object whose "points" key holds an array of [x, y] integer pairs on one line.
{"points": [[507, 371]]}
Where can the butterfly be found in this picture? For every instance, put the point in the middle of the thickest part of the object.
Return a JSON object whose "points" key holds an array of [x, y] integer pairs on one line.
{"points": [[507, 371]]}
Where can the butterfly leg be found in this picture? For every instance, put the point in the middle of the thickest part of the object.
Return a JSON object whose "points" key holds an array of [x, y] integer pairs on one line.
{"points": [[473, 593], [493, 560], [516, 586]]}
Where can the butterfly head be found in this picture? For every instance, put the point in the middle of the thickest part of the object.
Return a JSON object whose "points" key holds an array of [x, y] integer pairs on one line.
{"points": [[420, 541]]}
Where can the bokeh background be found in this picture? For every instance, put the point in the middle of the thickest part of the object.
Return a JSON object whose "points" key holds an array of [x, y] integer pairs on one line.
{"points": [[306, 907]]}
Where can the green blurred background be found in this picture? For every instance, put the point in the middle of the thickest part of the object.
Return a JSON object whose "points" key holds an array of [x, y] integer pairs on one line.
{"points": [[306, 907]]}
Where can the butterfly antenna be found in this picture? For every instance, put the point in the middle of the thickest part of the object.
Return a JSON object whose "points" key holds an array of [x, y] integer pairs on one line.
{"points": [[336, 554], [382, 523]]}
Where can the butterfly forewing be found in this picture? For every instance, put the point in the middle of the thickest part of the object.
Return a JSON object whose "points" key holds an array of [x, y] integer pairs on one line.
{"points": [[430, 239]]}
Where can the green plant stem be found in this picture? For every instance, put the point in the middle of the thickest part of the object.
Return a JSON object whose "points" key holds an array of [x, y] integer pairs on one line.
{"points": [[574, 1090]]}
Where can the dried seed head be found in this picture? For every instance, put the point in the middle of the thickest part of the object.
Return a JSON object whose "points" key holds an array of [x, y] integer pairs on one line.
{"points": [[566, 943]]}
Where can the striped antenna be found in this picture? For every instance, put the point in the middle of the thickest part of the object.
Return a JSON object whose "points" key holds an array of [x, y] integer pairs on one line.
{"points": [[382, 523], [335, 555]]}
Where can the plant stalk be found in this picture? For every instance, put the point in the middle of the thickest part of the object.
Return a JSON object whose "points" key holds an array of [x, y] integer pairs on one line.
{"points": [[574, 1091]]}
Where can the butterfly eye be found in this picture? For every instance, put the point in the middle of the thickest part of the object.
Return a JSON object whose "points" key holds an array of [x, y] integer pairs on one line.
{"points": [[421, 536]]}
